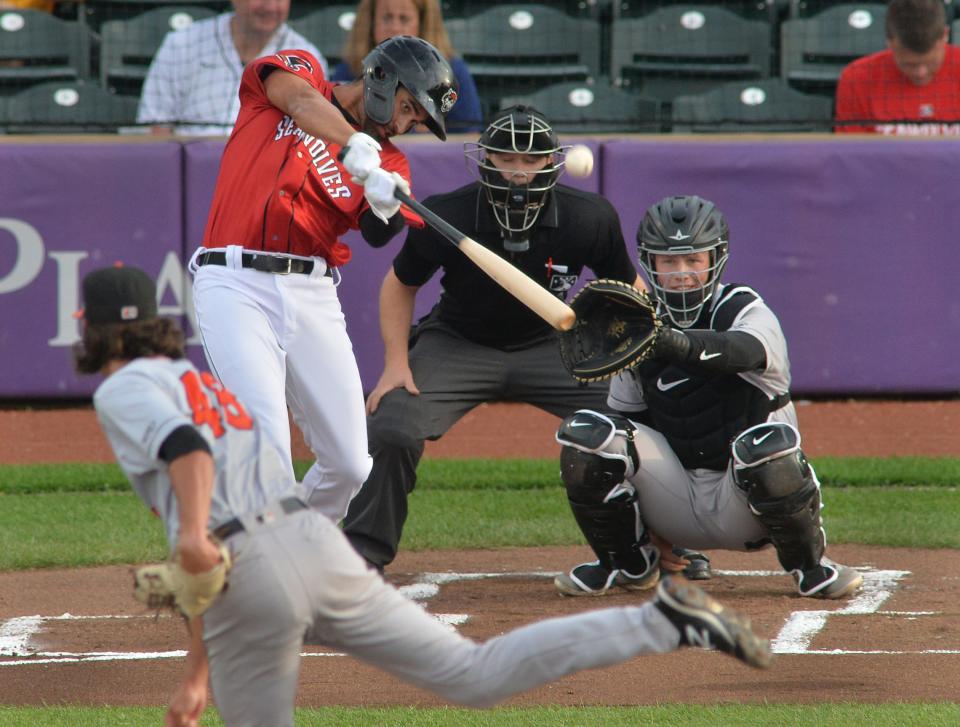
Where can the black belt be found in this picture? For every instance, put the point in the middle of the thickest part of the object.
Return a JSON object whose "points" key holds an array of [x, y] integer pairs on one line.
{"points": [[265, 263], [232, 527]]}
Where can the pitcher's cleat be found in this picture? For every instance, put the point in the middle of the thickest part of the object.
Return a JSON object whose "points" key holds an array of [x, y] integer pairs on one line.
{"points": [[704, 622]]}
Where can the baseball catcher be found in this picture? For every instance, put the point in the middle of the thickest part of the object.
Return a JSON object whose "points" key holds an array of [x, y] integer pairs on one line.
{"points": [[702, 447]]}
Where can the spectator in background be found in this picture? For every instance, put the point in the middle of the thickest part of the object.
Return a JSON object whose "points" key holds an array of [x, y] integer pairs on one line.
{"points": [[378, 20], [913, 87], [193, 83]]}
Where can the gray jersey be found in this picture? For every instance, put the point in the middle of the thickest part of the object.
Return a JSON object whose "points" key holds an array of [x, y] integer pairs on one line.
{"points": [[760, 322], [142, 403]]}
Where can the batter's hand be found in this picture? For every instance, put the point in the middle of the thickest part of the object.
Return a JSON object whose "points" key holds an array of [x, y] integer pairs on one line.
{"points": [[379, 189], [390, 379], [362, 156]]}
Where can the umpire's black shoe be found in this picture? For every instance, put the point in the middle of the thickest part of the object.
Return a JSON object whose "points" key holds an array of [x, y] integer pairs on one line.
{"points": [[703, 622], [699, 567]]}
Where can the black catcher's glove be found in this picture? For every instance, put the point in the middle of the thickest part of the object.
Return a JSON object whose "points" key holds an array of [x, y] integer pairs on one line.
{"points": [[616, 328]]}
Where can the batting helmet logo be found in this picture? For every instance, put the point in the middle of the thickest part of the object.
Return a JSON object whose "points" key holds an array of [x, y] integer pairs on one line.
{"points": [[448, 100]]}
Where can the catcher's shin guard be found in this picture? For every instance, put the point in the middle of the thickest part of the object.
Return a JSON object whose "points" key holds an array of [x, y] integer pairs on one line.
{"points": [[782, 491], [597, 458]]}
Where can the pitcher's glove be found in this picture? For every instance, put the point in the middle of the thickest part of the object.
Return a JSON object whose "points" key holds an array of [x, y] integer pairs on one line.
{"points": [[617, 327], [168, 585]]}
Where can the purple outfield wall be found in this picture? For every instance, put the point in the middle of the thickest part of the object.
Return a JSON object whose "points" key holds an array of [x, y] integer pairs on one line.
{"points": [[850, 241]]}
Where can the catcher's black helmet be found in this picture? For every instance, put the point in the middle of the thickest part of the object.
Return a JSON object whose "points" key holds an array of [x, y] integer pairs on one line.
{"points": [[413, 63], [677, 226], [516, 206]]}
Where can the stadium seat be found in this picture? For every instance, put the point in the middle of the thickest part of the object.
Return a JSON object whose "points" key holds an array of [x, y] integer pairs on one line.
{"points": [[327, 28], [574, 8], [815, 50], [128, 46], [96, 12], [519, 48], [576, 107], [761, 106], [37, 47], [752, 9], [67, 107], [685, 49]]}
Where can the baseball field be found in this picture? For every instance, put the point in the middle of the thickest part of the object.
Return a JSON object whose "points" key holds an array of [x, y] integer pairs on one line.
{"points": [[489, 526]]}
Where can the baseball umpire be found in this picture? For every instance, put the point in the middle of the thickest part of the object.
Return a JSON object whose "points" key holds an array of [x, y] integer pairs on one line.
{"points": [[703, 447], [265, 280], [479, 343], [233, 514]]}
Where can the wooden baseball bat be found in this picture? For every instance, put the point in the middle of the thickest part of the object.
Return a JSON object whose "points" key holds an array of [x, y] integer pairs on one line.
{"points": [[533, 295]]}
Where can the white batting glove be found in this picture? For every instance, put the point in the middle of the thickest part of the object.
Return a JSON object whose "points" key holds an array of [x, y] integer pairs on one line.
{"points": [[379, 189], [362, 157]]}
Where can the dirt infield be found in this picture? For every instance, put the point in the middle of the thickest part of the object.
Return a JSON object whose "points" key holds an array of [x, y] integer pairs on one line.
{"points": [[75, 636]]}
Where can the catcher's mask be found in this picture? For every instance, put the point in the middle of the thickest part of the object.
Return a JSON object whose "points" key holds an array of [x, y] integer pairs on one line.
{"points": [[518, 130], [413, 63], [679, 226]]}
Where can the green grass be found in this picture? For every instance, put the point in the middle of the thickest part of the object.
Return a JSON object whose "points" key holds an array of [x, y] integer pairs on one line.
{"points": [[839, 715], [509, 474], [76, 529]]}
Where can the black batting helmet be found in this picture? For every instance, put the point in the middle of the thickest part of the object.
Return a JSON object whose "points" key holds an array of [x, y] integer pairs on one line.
{"points": [[413, 63], [679, 226], [516, 206]]}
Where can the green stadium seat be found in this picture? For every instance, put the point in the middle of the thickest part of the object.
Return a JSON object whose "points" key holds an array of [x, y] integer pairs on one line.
{"points": [[815, 50], [96, 12], [67, 107], [128, 46], [574, 8], [327, 28], [576, 107], [687, 49], [767, 105], [751, 9], [37, 47], [519, 48]]}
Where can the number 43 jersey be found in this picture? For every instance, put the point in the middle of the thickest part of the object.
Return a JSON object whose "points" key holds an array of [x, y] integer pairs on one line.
{"points": [[140, 405]]}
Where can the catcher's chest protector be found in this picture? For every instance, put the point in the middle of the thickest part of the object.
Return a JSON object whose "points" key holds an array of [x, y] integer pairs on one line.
{"points": [[701, 413]]}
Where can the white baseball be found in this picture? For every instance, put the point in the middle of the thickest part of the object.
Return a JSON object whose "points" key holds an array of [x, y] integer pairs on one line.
{"points": [[579, 161]]}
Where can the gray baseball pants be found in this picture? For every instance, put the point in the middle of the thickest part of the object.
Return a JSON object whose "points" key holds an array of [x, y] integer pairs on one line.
{"points": [[454, 375], [297, 574]]}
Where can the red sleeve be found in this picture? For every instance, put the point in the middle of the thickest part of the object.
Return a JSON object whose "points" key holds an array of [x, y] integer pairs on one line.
{"points": [[298, 62], [850, 92]]}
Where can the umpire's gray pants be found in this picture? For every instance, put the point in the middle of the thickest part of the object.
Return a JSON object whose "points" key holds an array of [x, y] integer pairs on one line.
{"points": [[454, 375]]}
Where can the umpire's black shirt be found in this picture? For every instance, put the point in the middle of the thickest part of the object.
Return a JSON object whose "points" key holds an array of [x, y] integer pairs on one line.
{"points": [[574, 230]]}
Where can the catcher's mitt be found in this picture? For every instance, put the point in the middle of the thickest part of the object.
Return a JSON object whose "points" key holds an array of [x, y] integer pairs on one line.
{"points": [[616, 328], [168, 585]]}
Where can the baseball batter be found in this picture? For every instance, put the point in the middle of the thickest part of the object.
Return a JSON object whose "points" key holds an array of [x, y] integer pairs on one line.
{"points": [[703, 448], [198, 458], [265, 278]]}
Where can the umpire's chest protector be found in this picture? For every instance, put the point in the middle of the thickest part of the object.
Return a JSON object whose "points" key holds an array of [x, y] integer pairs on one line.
{"points": [[699, 412]]}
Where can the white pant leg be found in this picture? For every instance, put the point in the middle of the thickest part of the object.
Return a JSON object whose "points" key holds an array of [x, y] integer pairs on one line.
{"points": [[360, 613], [693, 509], [325, 393], [237, 316]]}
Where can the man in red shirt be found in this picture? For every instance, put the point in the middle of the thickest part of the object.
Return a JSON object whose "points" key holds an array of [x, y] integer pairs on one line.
{"points": [[910, 89], [265, 278]]}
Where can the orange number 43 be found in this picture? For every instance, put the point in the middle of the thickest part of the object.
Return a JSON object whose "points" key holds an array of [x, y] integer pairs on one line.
{"points": [[203, 413]]}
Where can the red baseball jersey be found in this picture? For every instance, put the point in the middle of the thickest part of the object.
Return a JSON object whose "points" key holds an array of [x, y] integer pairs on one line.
{"points": [[873, 88], [280, 189]]}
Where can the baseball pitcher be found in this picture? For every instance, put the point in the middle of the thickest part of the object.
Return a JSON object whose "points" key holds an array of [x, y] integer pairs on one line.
{"points": [[255, 569]]}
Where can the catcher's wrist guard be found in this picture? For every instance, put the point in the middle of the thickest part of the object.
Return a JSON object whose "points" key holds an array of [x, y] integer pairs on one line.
{"points": [[616, 328]]}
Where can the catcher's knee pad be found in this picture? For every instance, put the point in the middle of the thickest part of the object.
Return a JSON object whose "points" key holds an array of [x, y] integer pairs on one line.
{"points": [[594, 467], [782, 491]]}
